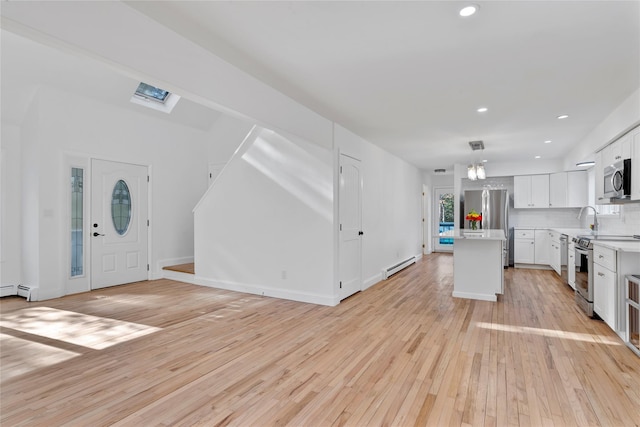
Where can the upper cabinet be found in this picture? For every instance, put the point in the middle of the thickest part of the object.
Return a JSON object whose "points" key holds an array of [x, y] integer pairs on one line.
{"points": [[568, 189], [635, 164], [531, 191], [618, 150], [626, 147], [556, 190]]}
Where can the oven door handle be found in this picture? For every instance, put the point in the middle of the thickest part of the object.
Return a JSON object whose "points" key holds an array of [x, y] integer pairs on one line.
{"points": [[582, 251]]}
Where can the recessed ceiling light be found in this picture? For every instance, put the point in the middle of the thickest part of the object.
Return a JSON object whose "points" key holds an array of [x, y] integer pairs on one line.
{"points": [[585, 164], [485, 161], [548, 141], [563, 116], [482, 110], [468, 10], [537, 157]]}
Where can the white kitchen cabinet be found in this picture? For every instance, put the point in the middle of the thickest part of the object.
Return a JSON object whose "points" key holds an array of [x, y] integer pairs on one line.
{"points": [[555, 257], [568, 189], [571, 265], [542, 247], [604, 284], [531, 191], [635, 164], [558, 190], [577, 189], [618, 150], [524, 246], [599, 184], [604, 290]]}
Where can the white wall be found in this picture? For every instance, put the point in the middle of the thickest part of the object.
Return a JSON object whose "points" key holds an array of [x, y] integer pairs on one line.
{"points": [[622, 119], [11, 193], [225, 136], [169, 61], [391, 205], [66, 126], [266, 224]]}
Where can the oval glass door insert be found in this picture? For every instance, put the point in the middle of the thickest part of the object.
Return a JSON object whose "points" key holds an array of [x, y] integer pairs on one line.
{"points": [[121, 207]]}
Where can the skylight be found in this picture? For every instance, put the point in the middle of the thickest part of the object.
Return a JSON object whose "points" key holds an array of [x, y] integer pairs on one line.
{"points": [[155, 98], [152, 93]]}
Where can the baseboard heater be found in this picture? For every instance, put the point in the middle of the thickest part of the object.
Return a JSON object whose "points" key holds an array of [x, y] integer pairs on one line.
{"points": [[395, 268]]}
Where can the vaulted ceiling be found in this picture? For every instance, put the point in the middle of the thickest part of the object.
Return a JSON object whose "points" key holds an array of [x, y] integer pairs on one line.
{"points": [[409, 76]]}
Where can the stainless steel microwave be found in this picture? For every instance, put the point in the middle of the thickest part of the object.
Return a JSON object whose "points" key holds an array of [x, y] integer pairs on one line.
{"points": [[617, 180]]}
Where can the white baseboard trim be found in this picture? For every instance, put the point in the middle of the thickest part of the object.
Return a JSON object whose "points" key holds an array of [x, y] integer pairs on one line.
{"points": [[287, 294], [469, 295], [379, 277], [376, 278], [533, 266]]}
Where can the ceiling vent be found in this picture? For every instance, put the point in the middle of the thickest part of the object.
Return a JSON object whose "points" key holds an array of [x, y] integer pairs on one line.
{"points": [[439, 170], [476, 145]]}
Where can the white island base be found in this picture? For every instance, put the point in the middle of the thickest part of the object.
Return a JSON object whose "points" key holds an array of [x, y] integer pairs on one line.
{"points": [[478, 269]]}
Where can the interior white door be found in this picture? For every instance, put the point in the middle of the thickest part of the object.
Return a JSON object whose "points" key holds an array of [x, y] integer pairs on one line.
{"points": [[119, 223], [350, 211]]}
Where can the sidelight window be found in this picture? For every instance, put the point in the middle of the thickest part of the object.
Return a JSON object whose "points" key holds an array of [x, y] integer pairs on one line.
{"points": [[77, 222]]}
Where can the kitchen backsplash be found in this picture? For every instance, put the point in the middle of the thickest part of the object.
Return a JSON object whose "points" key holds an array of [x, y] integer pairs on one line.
{"points": [[544, 218], [628, 222]]}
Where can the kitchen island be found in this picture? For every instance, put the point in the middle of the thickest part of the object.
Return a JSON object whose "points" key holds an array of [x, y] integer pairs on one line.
{"points": [[478, 264]]}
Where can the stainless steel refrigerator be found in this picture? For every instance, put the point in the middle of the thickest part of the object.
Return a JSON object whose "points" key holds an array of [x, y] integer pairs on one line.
{"points": [[494, 207]]}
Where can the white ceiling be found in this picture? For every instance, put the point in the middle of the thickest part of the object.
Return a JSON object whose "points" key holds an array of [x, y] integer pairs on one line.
{"points": [[28, 66], [409, 75]]}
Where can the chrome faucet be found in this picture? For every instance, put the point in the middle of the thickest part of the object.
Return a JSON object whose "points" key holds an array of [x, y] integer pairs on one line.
{"points": [[594, 230]]}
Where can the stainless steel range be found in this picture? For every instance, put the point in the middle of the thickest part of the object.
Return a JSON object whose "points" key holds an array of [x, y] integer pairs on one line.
{"points": [[584, 273]]}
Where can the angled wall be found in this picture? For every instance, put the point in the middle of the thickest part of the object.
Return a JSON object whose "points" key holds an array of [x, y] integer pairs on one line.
{"points": [[265, 226]]}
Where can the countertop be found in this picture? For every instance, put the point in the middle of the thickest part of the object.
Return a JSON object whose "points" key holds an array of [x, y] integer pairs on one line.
{"points": [[572, 232], [619, 246], [479, 234]]}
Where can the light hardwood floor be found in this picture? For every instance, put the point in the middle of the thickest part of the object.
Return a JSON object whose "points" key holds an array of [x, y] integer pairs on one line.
{"points": [[401, 353]]}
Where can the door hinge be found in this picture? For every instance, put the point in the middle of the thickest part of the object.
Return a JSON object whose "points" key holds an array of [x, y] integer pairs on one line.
{"points": [[340, 285], [423, 246], [147, 178], [340, 169], [340, 227], [147, 223], [210, 175], [422, 219], [147, 267]]}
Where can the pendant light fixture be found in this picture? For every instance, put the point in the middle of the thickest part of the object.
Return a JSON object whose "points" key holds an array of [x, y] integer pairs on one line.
{"points": [[476, 170]]}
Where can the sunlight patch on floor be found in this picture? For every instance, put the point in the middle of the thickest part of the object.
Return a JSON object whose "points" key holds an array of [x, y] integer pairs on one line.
{"points": [[20, 356], [553, 333], [76, 328]]}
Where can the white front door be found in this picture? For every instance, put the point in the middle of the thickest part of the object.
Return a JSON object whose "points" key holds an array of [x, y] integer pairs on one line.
{"points": [[443, 219], [350, 211], [119, 223]]}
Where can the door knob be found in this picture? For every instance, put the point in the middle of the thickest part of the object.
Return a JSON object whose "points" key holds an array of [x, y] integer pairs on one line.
{"points": [[96, 234]]}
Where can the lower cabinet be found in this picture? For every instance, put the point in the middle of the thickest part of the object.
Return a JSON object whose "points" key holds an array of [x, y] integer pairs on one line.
{"points": [[604, 285], [571, 265], [524, 251]]}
